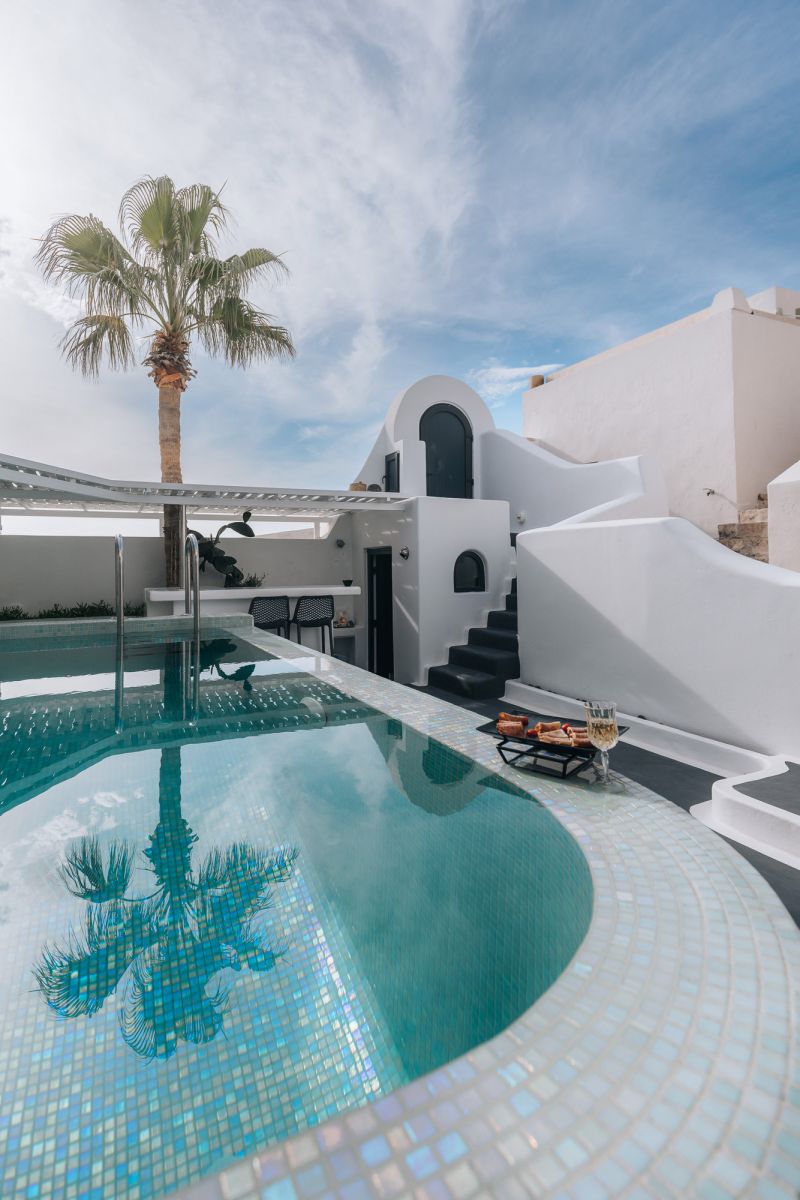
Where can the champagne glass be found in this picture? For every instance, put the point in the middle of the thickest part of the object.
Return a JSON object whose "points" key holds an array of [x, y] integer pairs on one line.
{"points": [[602, 731]]}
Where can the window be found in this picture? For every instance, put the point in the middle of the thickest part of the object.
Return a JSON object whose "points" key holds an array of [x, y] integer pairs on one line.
{"points": [[469, 573]]}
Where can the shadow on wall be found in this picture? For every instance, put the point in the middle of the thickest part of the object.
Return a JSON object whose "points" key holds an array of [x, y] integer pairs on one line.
{"points": [[689, 658], [604, 664]]}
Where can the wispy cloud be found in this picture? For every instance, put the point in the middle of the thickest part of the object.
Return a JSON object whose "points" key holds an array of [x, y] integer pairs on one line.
{"points": [[495, 382], [446, 198]]}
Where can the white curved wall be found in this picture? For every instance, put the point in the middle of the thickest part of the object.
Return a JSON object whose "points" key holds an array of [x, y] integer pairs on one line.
{"points": [[659, 617], [543, 488]]}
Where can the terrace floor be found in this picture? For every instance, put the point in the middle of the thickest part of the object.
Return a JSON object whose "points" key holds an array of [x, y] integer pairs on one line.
{"points": [[676, 781]]}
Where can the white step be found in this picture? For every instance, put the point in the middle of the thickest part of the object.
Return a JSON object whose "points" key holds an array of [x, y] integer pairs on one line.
{"points": [[753, 821]]}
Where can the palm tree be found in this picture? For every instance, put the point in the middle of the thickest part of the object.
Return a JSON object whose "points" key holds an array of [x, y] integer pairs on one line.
{"points": [[162, 950], [163, 280]]}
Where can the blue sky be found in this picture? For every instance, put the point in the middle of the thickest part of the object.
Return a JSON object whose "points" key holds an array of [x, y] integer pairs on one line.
{"points": [[473, 189]]}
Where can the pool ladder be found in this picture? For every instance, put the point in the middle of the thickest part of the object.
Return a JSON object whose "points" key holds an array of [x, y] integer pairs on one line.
{"points": [[191, 552], [119, 604], [191, 604]]}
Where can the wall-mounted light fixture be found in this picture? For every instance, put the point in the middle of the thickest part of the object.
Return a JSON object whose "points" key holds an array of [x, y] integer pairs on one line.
{"points": [[405, 552]]}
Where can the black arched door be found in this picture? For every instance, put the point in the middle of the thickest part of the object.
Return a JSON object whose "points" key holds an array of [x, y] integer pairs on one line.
{"points": [[447, 435]]}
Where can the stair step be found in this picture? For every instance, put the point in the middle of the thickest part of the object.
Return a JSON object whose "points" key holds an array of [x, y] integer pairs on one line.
{"points": [[754, 516], [465, 681], [751, 531], [501, 618], [503, 664], [511, 602], [501, 639]]}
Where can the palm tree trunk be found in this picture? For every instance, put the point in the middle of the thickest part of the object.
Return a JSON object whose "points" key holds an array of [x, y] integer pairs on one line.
{"points": [[169, 440]]}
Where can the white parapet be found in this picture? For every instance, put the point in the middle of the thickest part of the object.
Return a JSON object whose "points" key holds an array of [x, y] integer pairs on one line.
{"points": [[675, 628], [769, 828], [784, 519]]}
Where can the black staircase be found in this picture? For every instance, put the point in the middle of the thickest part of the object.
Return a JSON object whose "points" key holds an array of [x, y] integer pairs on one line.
{"points": [[480, 669]]}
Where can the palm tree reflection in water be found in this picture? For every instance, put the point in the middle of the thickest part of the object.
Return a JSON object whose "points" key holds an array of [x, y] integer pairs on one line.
{"points": [[163, 949]]}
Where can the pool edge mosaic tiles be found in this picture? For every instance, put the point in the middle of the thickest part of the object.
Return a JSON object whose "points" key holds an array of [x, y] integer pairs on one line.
{"points": [[661, 1063]]}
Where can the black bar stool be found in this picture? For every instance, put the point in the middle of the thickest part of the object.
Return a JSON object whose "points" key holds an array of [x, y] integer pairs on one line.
{"points": [[270, 612], [315, 612]]}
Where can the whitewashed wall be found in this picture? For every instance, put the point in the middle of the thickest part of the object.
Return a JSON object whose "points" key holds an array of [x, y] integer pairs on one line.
{"points": [[37, 572], [429, 616], [766, 381], [543, 488], [713, 399], [657, 616], [784, 519]]}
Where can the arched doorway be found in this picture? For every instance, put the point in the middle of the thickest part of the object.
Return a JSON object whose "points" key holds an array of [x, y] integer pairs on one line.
{"points": [[447, 435]]}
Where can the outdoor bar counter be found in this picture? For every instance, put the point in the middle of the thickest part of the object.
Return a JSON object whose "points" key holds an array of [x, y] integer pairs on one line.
{"points": [[214, 601], [165, 602]]}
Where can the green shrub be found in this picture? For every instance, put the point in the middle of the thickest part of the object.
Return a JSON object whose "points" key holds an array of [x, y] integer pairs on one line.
{"points": [[13, 612], [99, 608]]}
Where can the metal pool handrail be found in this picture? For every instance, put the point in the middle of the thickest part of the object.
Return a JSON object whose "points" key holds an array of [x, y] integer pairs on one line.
{"points": [[191, 600], [119, 587], [119, 600], [191, 580]]}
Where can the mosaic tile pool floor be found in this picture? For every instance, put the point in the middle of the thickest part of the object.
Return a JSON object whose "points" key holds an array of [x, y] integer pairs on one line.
{"points": [[218, 934], [663, 1063]]}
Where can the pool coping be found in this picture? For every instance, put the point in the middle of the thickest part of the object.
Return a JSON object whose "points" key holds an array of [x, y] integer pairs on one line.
{"points": [[662, 1062]]}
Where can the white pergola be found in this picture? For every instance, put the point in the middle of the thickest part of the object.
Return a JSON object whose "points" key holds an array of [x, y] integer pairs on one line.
{"points": [[37, 489]]}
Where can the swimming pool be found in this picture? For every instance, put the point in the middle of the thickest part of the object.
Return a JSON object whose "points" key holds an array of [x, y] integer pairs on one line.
{"points": [[221, 927]]}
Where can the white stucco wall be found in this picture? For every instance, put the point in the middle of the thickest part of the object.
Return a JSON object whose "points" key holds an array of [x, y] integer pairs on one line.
{"points": [[713, 399], [766, 374], [38, 572], [668, 396], [658, 617], [784, 519], [782, 301], [543, 488], [429, 616]]}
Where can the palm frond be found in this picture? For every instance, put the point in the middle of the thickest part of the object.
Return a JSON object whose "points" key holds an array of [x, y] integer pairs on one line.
{"points": [[85, 875], [92, 338], [165, 999], [202, 210], [252, 947], [76, 247], [85, 256], [235, 885], [76, 979], [232, 276], [150, 215], [241, 333]]}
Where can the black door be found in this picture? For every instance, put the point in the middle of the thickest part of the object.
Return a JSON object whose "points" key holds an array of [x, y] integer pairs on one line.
{"points": [[391, 480], [447, 435], [380, 634]]}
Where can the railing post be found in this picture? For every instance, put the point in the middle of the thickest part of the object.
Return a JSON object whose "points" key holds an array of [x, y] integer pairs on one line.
{"points": [[191, 596], [119, 588], [119, 600]]}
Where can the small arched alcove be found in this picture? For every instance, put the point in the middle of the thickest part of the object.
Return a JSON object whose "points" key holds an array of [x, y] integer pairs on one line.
{"points": [[469, 572], [447, 435]]}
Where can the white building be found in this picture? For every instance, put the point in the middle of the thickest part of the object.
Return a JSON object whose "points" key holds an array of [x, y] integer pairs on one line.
{"points": [[606, 591], [714, 399]]}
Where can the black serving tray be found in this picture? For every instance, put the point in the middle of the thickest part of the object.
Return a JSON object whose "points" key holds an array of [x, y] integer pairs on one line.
{"points": [[530, 754]]}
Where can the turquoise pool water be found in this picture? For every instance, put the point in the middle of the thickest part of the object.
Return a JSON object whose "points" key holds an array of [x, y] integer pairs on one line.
{"points": [[216, 932]]}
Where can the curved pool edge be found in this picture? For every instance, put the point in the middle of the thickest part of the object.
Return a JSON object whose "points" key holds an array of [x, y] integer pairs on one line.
{"points": [[660, 1063]]}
